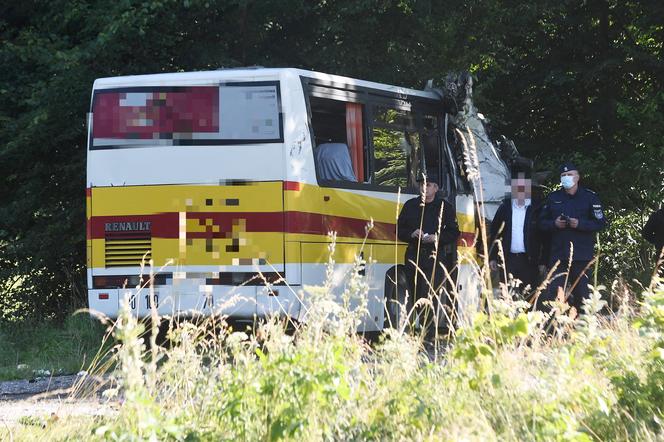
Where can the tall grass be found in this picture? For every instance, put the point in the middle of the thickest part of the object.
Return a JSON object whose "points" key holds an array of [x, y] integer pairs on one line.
{"points": [[511, 373], [594, 377]]}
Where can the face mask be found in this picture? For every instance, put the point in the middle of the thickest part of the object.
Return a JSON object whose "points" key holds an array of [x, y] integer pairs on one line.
{"points": [[567, 181]]}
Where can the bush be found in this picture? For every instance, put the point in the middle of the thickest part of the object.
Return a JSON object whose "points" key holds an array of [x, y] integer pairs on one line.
{"points": [[623, 251]]}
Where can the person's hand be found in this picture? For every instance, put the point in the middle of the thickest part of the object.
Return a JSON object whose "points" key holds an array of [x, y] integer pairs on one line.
{"points": [[542, 270], [427, 238], [416, 234], [493, 265], [574, 223], [560, 222]]}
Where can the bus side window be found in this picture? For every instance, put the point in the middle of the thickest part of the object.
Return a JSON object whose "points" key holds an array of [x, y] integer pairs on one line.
{"points": [[338, 128], [395, 148]]}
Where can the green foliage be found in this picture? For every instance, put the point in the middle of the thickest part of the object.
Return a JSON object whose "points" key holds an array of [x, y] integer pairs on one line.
{"points": [[511, 374], [643, 396], [564, 79], [390, 151], [30, 350], [506, 375], [622, 249]]}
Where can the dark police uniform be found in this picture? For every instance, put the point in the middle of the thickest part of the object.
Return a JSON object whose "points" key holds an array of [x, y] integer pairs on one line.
{"points": [[585, 206], [412, 213]]}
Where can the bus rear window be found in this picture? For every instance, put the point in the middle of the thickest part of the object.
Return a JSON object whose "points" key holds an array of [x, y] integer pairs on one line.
{"points": [[230, 113]]}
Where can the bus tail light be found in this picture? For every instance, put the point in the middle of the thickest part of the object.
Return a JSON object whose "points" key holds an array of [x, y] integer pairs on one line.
{"points": [[103, 296], [124, 281]]}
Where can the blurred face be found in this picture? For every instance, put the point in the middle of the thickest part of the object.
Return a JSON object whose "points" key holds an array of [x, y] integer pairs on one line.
{"points": [[521, 188], [429, 191]]}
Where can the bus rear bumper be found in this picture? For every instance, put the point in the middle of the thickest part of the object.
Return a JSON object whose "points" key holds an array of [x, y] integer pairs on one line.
{"points": [[238, 302]]}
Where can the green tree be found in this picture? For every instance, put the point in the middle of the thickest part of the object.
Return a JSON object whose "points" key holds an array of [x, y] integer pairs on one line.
{"points": [[564, 79]]}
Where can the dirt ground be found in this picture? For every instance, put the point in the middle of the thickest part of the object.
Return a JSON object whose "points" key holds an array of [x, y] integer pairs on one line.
{"points": [[54, 398]]}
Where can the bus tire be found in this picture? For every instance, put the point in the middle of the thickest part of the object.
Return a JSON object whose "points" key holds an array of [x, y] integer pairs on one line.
{"points": [[397, 302]]}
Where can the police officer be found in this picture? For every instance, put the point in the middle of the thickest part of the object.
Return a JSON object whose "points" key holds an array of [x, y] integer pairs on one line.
{"points": [[418, 225], [572, 216]]}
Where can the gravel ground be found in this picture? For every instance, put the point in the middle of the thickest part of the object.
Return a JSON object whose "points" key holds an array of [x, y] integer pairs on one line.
{"points": [[54, 398]]}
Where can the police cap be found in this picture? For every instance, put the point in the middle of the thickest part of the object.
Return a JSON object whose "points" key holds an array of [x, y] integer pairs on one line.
{"points": [[566, 167]]}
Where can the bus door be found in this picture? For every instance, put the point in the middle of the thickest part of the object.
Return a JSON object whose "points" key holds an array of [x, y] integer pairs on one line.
{"points": [[344, 201]]}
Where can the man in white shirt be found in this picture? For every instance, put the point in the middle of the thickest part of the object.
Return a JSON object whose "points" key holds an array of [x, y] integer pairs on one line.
{"points": [[515, 226]]}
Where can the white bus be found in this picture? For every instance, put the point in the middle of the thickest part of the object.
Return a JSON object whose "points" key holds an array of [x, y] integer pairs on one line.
{"points": [[217, 176]]}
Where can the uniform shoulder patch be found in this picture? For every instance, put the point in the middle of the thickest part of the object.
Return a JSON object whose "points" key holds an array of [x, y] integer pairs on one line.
{"points": [[597, 211]]}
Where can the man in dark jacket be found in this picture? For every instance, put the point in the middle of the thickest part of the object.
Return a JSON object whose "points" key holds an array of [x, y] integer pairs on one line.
{"points": [[515, 226], [427, 223], [653, 231], [572, 215]]}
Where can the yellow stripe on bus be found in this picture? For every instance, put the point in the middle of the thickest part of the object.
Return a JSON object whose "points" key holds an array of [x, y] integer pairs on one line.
{"points": [[254, 245], [346, 253], [135, 200], [165, 252], [338, 202], [306, 237], [466, 222]]}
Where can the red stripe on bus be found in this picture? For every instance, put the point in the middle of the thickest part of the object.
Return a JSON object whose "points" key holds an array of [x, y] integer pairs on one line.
{"points": [[466, 239], [164, 225], [223, 224], [88, 192], [320, 224]]}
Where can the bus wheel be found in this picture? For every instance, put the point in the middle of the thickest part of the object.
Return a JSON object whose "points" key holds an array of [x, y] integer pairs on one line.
{"points": [[397, 303]]}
